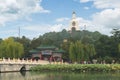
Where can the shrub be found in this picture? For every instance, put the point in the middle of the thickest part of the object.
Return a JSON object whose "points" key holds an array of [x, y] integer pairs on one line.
{"points": [[78, 67]]}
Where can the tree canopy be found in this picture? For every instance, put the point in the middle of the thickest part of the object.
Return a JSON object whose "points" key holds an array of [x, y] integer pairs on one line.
{"points": [[79, 51], [105, 47], [11, 49]]}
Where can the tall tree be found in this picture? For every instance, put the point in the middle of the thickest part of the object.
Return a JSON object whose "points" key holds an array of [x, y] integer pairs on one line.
{"points": [[72, 53], [119, 47], [119, 50], [116, 34], [65, 46], [79, 51], [116, 40], [26, 44], [10, 48]]}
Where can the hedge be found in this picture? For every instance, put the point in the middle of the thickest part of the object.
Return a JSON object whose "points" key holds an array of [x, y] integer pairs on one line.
{"points": [[78, 67]]}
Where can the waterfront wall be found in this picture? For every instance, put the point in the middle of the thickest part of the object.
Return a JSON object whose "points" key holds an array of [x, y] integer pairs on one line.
{"points": [[19, 65], [15, 67]]}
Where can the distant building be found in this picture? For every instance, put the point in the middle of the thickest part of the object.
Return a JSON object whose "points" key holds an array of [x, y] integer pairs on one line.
{"points": [[49, 53], [74, 24]]}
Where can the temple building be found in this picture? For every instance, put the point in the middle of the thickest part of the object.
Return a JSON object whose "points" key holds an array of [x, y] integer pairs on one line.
{"points": [[49, 53], [74, 24]]}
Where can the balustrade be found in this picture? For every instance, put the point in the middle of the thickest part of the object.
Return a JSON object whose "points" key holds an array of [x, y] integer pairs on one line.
{"points": [[22, 61]]}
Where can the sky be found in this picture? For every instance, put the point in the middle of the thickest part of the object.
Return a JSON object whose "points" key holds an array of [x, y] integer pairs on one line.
{"points": [[33, 18]]}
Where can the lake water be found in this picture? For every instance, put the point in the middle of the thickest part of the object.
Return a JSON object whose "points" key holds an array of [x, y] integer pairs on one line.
{"points": [[59, 76]]}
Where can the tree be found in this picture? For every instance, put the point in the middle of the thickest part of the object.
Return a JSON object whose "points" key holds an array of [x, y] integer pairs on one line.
{"points": [[103, 46], [72, 53], [107, 46], [26, 44], [119, 50], [65, 46], [92, 50], [119, 47], [79, 51], [0, 40], [10, 48], [116, 40], [116, 34]]}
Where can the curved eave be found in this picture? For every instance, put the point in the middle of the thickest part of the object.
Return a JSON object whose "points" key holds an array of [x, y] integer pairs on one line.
{"points": [[34, 51]]}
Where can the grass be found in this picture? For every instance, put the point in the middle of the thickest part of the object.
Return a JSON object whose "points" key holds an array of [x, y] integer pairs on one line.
{"points": [[78, 68]]}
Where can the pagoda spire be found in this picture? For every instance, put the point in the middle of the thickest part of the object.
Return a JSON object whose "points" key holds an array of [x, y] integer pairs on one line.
{"points": [[74, 24], [73, 15]]}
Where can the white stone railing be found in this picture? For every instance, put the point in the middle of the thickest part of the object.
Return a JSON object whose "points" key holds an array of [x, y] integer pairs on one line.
{"points": [[18, 61]]}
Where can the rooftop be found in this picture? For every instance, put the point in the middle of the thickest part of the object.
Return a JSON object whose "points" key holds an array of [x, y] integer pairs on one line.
{"points": [[46, 47]]}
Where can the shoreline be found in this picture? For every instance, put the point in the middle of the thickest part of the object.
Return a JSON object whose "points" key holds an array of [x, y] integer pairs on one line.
{"points": [[78, 68]]}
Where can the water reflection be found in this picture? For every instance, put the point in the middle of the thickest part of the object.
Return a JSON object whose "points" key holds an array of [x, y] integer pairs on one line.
{"points": [[59, 76], [23, 73]]}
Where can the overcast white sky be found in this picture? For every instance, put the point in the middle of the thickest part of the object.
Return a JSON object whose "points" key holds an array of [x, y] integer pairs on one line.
{"points": [[36, 17]]}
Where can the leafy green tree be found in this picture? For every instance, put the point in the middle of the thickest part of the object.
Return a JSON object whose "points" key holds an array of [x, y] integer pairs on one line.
{"points": [[72, 53], [119, 48], [116, 34], [116, 40], [79, 51], [36, 42], [103, 46], [0, 40], [10, 48], [107, 46], [26, 44], [92, 51], [65, 46]]}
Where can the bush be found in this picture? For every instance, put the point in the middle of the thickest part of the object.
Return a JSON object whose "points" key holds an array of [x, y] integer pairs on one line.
{"points": [[78, 68]]}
